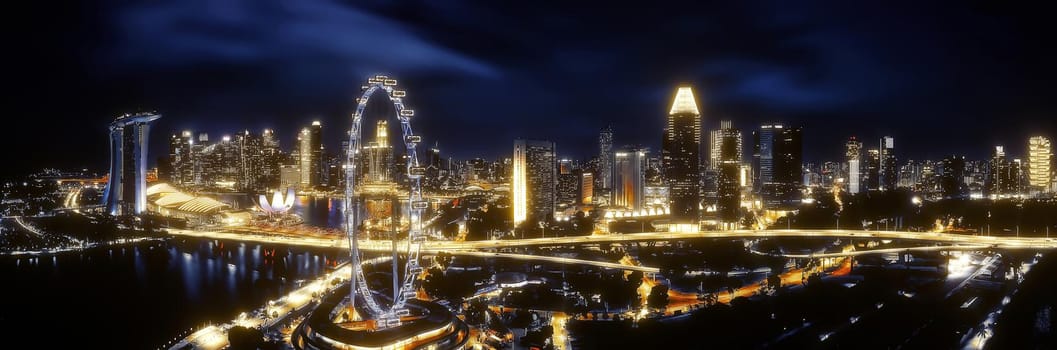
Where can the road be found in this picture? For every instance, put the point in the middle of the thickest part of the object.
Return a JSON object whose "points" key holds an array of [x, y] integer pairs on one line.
{"points": [[373, 245], [875, 251], [385, 246]]}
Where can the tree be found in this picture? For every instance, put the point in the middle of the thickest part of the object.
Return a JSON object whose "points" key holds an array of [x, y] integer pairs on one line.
{"points": [[658, 298]]}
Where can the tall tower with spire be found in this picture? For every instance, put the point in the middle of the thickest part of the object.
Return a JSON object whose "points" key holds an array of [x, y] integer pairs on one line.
{"points": [[682, 160]]}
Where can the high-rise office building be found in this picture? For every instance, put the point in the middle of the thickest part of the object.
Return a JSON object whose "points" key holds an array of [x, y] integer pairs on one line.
{"points": [[872, 172], [629, 167], [180, 160], [728, 133], [853, 155], [998, 180], [788, 156], [952, 178], [535, 174], [250, 161], [763, 155], [311, 162], [378, 156], [889, 171], [289, 176], [605, 157], [126, 187], [682, 161], [587, 187], [830, 172], [1040, 158], [200, 162], [271, 159], [726, 161], [911, 174], [567, 190], [778, 159], [1018, 177]]}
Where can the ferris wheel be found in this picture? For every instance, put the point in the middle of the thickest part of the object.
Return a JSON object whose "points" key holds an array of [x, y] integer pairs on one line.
{"points": [[386, 316]]}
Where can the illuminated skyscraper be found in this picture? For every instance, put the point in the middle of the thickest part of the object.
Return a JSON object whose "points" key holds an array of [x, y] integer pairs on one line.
{"points": [[250, 161], [778, 159], [889, 172], [605, 157], [534, 180], [272, 159], [998, 179], [587, 187], [873, 169], [567, 192], [952, 178], [1040, 156], [311, 162], [201, 163], [716, 144], [125, 189], [853, 154], [629, 167], [682, 161], [726, 160], [379, 155], [180, 160], [763, 155]]}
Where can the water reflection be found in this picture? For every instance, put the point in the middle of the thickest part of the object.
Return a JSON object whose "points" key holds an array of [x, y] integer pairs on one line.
{"points": [[319, 211], [149, 292]]}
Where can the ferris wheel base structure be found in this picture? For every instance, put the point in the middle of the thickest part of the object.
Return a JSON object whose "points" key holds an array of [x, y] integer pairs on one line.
{"points": [[435, 327]]}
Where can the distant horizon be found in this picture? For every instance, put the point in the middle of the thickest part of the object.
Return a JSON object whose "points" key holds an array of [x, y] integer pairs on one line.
{"points": [[159, 145], [945, 80]]}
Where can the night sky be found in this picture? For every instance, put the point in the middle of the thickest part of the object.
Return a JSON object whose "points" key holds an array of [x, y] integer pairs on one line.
{"points": [[940, 78]]}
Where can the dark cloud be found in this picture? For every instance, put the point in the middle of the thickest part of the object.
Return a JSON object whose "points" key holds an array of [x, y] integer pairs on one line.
{"points": [[942, 78]]}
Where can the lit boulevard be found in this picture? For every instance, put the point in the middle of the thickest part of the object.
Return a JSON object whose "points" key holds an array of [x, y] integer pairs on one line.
{"points": [[455, 247]]}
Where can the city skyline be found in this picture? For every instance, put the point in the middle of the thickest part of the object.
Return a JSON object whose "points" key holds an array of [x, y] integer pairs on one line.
{"points": [[791, 73], [457, 176]]}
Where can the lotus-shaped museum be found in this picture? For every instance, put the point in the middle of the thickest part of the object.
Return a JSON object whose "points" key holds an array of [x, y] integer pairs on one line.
{"points": [[278, 204]]}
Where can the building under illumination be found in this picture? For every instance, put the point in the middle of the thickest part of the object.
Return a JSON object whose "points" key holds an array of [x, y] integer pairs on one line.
{"points": [[629, 167], [126, 187], [378, 156], [1003, 176], [250, 156], [726, 152], [180, 160], [726, 132], [1040, 158], [567, 191], [272, 159], [888, 171], [311, 146], [682, 161], [605, 157], [535, 174], [853, 153], [952, 178], [872, 171], [778, 159]]}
